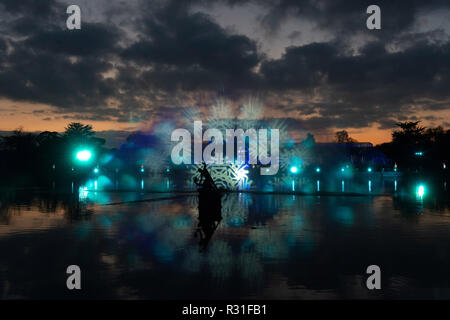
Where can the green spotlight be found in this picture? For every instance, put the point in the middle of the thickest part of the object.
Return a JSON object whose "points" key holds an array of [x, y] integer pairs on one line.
{"points": [[96, 170], [420, 191], [317, 170], [369, 169], [294, 169], [84, 155]]}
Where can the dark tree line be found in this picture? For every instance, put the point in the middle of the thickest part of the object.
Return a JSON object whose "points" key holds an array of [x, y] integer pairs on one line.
{"points": [[416, 147], [33, 157], [27, 158]]}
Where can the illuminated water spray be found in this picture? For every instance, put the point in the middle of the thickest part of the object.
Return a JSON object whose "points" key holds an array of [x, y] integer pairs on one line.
{"points": [[252, 109], [420, 191], [82, 193], [227, 176], [83, 155], [220, 116]]}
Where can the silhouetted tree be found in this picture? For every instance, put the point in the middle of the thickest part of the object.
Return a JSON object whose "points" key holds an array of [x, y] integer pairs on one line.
{"points": [[80, 134], [343, 137], [20, 142], [411, 138], [51, 151], [19, 153], [435, 135], [47, 138], [410, 133], [309, 141], [30, 157], [78, 129]]}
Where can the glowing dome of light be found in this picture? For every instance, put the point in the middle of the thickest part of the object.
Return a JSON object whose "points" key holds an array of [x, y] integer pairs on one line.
{"points": [[421, 191], [84, 155]]}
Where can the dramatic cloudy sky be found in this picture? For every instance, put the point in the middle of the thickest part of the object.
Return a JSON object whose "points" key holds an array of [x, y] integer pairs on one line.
{"points": [[137, 63]]}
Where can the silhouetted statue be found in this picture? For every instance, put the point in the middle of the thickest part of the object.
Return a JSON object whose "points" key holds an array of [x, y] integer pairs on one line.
{"points": [[206, 182], [209, 207], [207, 225]]}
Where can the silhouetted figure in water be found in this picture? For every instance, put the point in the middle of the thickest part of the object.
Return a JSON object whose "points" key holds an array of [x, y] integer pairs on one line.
{"points": [[206, 182], [77, 206], [209, 207], [207, 225]]}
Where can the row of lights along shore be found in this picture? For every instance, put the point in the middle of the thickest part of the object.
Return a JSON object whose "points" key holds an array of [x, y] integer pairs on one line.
{"points": [[295, 170], [86, 155]]}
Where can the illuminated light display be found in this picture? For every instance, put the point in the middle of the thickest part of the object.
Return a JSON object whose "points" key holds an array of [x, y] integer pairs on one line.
{"points": [[228, 176], [420, 192], [84, 155]]}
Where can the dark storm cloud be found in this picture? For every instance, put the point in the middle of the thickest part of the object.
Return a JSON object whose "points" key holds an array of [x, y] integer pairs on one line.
{"points": [[344, 17], [387, 124], [93, 39], [187, 47], [3, 49], [361, 89], [174, 51], [300, 67], [40, 67], [31, 8], [30, 16], [54, 79]]}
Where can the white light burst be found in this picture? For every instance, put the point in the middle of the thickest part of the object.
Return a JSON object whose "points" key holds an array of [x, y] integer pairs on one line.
{"points": [[252, 109], [220, 116], [227, 176]]}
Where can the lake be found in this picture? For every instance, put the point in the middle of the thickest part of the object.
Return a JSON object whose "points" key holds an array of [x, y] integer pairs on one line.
{"points": [[142, 245]]}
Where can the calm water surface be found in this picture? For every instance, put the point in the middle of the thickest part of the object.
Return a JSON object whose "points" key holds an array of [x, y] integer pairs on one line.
{"points": [[266, 246]]}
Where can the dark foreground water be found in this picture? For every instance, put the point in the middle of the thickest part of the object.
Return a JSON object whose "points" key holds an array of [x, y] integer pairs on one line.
{"points": [[266, 246]]}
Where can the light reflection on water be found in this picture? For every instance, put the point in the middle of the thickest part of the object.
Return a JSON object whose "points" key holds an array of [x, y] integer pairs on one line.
{"points": [[375, 184], [266, 246]]}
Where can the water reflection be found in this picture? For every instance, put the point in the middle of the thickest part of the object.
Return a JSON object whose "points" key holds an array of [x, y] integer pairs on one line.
{"points": [[140, 245], [207, 225], [361, 184], [209, 215]]}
